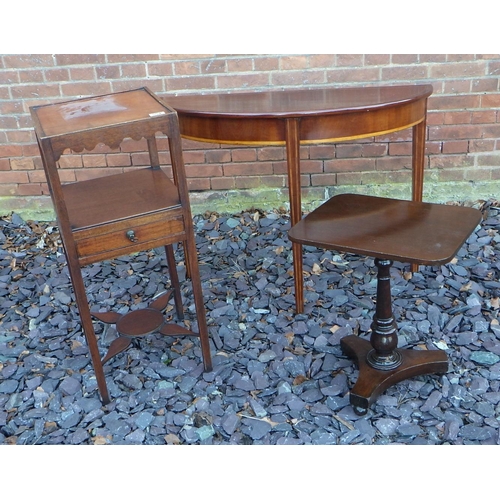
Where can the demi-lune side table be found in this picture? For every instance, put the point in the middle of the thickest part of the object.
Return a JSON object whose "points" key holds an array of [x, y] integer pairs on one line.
{"points": [[292, 117]]}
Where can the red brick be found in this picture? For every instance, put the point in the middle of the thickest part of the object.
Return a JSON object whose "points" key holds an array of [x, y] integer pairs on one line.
{"points": [[131, 58], [490, 101], [274, 181], [488, 160], [213, 66], [56, 74], [237, 169], [323, 151], [348, 150], [463, 70], [29, 190], [160, 69], [31, 76], [140, 159], [428, 58], [190, 83], [193, 157], [132, 146], [22, 164], [107, 72], [374, 149], [460, 57], [198, 184], [133, 70], [400, 148], [204, 170], [8, 189], [10, 150], [184, 68], [218, 156], [70, 161], [454, 132], [484, 85], [293, 62], [94, 160], [404, 72], [271, 153], [484, 117], [404, 58], [28, 60], [393, 163], [244, 154], [477, 174], [15, 177], [246, 81], [4, 164], [69, 59], [37, 90], [481, 146], [354, 76], [453, 147], [323, 179], [243, 182], [455, 86], [456, 117], [349, 165], [301, 77], [400, 177], [264, 63], [451, 175], [451, 161], [84, 73], [311, 166], [222, 183], [240, 64], [491, 131], [457, 102], [83, 89], [377, 59], [355, 60], [322, 60], [9, 77]]}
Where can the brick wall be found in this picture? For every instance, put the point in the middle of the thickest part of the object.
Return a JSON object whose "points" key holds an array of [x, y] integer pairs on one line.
{"points": [[463, 121]]}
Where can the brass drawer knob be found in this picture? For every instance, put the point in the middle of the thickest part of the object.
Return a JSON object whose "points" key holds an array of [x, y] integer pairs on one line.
{"points": [[131, 236]]}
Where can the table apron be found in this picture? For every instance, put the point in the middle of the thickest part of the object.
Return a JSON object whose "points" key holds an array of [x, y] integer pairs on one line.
{"points": [[320, 128]]}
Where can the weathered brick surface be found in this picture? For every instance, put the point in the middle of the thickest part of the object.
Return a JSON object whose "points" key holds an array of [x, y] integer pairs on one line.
{"points": [[463, 126]]}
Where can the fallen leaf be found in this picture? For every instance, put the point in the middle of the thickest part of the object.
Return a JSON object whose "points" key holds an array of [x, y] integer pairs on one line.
{"points": [[100, 440], [316, 269], [172, 439]]}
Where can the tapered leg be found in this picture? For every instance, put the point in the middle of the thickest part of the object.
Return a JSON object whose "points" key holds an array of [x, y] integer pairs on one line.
{"points": [[191, 258], [380, 363], [293, 164], [88, 328], [174, 278]]}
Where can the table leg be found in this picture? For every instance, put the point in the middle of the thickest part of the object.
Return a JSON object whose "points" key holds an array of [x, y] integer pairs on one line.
{"points": [[418, 157], [293, 164]]}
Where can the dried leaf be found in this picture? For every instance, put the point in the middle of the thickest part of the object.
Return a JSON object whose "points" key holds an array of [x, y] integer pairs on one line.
{"points": [[316, 269], [172, 439], [100, 440], [299, 379]]}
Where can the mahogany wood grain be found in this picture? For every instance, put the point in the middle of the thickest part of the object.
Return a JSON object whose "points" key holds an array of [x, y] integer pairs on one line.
{"points": [[123, 213], [306, 116], [387, 229]]}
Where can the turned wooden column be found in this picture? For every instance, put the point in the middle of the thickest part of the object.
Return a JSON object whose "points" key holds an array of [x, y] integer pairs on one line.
{"points": [[384, 337]]}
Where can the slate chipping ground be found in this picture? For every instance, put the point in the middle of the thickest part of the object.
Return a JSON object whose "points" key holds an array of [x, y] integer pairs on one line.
{"points": [[279, 377]]}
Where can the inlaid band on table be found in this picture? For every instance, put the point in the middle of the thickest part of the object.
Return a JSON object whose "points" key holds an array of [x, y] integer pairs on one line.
{"points": [[293, 117]]}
